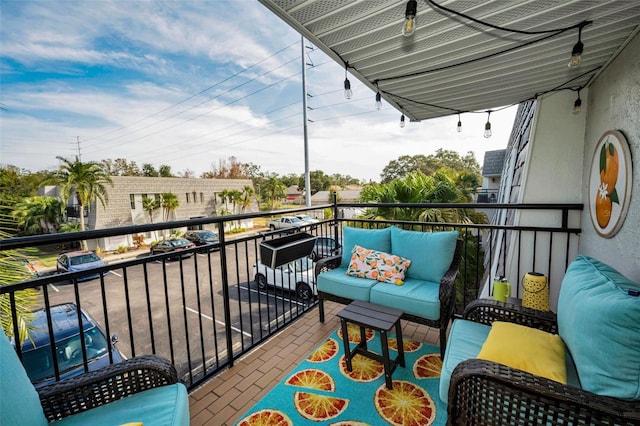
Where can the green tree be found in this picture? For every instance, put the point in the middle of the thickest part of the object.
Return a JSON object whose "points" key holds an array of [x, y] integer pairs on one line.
{"points": [[87, 180], [274, 191], [165, 171], [11, 272], [429, 165], [38, 215], [224, 197], [245, 202], [235, 198], [149, 171], [149, 205], [169, 203]]}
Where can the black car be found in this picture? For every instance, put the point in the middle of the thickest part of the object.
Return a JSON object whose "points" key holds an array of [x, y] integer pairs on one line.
{"points": [[169, 246], [203, 237], [325, 247], [37, 355]]}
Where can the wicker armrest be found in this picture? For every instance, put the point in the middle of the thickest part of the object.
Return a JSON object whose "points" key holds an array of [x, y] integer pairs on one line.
{"points": [[327, 263], [486, 311], [105, 385], [488, 393]]}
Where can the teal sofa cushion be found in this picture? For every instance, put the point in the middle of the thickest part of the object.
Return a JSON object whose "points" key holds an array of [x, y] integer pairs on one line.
{"points": [[465, 341], [19, 401], [337, 282], [599, 321], [161, 406], [416, 297], [376, 239], [430, 253]]}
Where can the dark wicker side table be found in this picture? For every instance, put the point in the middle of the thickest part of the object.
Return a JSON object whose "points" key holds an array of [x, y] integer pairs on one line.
{"points": [[380, 319]]}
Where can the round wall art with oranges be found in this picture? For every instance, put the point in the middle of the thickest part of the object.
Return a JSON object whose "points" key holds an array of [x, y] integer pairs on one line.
{"points": [[610, 183]]}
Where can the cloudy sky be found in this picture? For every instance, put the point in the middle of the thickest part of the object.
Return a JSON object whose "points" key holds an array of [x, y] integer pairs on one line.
{"points": [[190, 84]]}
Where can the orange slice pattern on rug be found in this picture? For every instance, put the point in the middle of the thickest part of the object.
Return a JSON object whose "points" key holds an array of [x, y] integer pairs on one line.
{"points": [[350, 423], [266, 417], [405, 405], [408, 344], [312, 379], [364, 369], [427, 367], [318, 408], [354, 333], [328, 350]]}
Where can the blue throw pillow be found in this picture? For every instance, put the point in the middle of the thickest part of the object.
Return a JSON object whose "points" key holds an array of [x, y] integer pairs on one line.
{"points": [[375, 239], [599, 321], [430, 253]]}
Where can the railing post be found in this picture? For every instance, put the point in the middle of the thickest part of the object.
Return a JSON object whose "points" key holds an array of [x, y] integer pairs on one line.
{"points": [[225, 293], [335, 216]]}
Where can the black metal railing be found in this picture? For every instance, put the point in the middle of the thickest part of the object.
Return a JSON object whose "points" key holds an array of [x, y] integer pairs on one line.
{"points": [[203, 309]]}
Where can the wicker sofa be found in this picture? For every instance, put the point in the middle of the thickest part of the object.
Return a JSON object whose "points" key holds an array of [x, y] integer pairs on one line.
{"points": [[598, 322], [143, 389], [427, 295]]}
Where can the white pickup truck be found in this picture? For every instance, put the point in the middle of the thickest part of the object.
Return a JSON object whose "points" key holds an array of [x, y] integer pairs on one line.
{"points": [[286, 222]]}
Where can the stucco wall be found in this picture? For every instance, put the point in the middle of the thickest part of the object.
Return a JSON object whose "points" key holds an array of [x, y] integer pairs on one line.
{"points": [[614, 103]]}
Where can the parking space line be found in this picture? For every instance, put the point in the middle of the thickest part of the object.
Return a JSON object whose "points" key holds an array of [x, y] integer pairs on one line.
{"points": [[277, 297], [116, 274], [54, 287], [219, 322]]}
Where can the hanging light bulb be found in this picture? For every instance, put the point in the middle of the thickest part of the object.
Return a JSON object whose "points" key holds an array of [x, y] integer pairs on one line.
{"points": [[409, 24], [487, 127], [577, 105], [459, 124], [378, 101], [576, 52], [402, 121], [347, 84]]}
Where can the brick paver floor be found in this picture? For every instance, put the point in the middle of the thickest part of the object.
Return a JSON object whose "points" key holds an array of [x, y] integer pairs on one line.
{"points": [[226, 397]]}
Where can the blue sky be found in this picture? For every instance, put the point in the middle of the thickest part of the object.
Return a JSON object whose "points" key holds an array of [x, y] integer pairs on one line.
{"points": [[190, 84]]}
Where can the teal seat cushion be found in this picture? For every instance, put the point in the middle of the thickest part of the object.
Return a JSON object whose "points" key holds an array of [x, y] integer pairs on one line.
{"points": [[19, 401], [465, 341], [376, 239], [337, 282], [599, 321], [414, 297], [430, 253], [162, 406]]}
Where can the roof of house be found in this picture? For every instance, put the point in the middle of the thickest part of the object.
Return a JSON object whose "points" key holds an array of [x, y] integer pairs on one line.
{"points": [[493, 162]]}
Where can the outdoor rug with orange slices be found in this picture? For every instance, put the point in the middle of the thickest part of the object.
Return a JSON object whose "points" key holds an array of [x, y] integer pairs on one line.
{"points": [[320, 391]]}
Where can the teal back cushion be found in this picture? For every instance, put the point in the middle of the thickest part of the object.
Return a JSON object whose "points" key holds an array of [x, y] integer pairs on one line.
{"points": [[19, 402], [376, 239], [599, 322], [430, 253]]}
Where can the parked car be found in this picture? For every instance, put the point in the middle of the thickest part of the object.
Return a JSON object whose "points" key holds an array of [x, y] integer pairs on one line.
{"points": [[325, 247], [26, 264], [203, 237], [37, 355], [80, 260], [297, 276], [287, 222], [307, 218], [168, 246]]}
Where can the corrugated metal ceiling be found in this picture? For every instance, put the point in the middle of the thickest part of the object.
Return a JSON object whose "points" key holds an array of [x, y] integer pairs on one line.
{"points": [[429, 74]]}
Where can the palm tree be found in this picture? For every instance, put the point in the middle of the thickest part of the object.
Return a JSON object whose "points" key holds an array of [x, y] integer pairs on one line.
{"points": [[150, 205], [38, 215], [12, 271], [224, 195], [247, 192], [87, 180], [275, 189], [169, 204]]}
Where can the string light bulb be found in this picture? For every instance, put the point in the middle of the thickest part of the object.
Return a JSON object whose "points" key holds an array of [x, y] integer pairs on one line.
{"points": [[409, 24], [487, 127], [402, 121], [577, 105], [576, 52], [347, 84], [459, 128], [378, 101]]}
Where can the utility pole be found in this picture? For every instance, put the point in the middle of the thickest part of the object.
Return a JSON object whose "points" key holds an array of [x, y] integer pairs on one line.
{"points": [[78, 143], [307, 183]]}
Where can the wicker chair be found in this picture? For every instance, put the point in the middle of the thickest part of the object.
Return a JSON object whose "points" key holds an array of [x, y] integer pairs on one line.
{"points": [[447, 295], [487, 393], [141, 389]]}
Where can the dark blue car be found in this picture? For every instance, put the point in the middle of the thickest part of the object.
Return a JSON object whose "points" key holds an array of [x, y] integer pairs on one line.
{"points": [[37, 355]]}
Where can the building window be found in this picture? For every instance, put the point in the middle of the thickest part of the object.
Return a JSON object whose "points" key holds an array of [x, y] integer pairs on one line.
{"points": [[195, 196], [202, 197], [187, 195], [157, 198], [132, 201]]}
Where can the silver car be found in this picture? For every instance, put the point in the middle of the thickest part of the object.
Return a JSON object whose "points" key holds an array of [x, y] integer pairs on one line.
{"points": [[297, 276]]}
